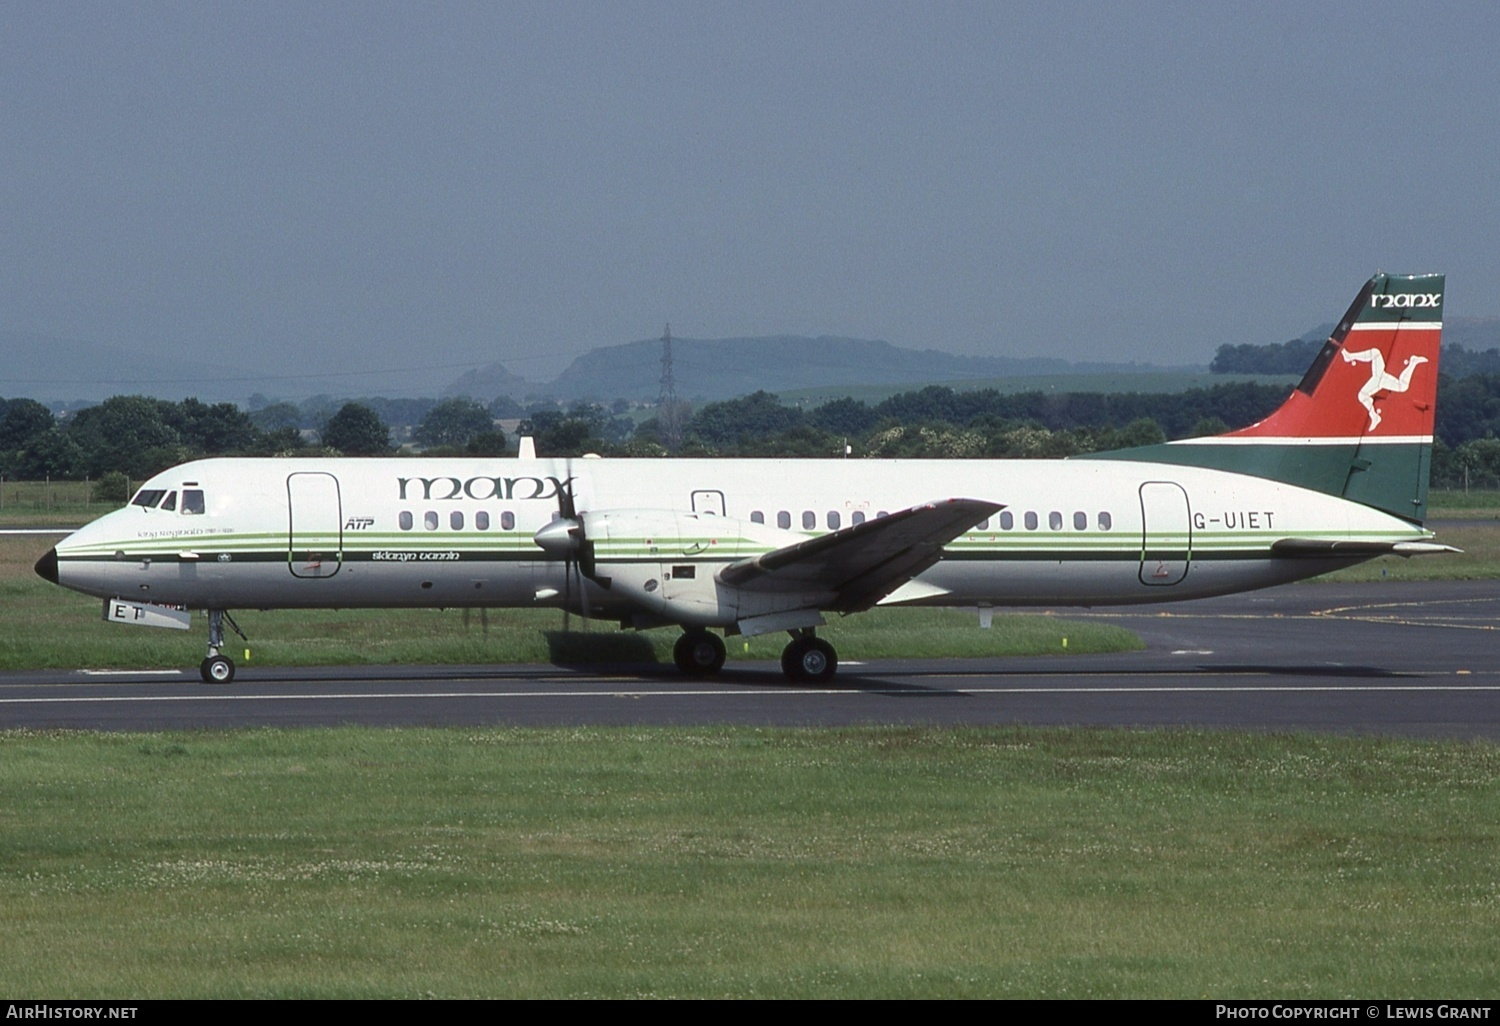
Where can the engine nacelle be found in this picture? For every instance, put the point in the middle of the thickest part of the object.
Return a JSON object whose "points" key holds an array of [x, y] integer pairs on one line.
{"points": [[666, 563]]}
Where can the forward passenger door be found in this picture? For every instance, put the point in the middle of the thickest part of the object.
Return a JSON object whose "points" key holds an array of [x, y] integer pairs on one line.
{"points": [[315, 545]]}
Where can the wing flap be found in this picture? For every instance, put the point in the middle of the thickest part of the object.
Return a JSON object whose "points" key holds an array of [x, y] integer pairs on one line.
{"points": [[860, 565]]}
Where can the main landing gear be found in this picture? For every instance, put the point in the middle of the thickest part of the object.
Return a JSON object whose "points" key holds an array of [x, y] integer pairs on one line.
{"points": [[217, 668], [699, 653], [809, 658], [806, 658]]}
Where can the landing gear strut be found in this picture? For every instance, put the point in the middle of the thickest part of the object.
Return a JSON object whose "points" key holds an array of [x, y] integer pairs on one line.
{"points": [[217, 668], [699, 653], [808, 658]]}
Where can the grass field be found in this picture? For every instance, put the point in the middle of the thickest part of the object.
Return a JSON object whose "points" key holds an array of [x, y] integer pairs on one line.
{"points": [[731, 862], [1453, 503], [52, 503], [869, 863]]}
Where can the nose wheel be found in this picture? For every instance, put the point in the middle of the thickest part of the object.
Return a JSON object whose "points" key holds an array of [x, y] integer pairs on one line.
{"points": [[809, 659], [217, 668]]}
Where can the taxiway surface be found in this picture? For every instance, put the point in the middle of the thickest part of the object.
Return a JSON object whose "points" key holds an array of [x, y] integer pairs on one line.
{"points": [[1416, 659]]}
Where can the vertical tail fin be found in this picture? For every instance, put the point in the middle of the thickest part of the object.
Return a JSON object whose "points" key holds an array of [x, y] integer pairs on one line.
{"points": [[1359, 425], [1375, 380]]}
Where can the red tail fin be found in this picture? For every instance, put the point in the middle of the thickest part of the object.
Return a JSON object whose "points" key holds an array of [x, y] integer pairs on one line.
{"points": [[1376, 377]]}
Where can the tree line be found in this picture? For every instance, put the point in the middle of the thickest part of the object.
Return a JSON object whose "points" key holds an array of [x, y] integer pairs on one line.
{"points": [[938, 422], [136, 436], [1296, 355]]}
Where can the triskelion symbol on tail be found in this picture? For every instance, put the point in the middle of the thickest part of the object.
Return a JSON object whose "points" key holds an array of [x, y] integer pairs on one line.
{"points": [[1380, 381]]}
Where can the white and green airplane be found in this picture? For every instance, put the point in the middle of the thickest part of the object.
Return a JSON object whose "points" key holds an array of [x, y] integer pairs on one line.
{"points": [[1337, 475]]}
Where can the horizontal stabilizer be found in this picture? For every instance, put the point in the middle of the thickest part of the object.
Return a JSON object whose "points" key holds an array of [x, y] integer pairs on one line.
{"points": [[1315, 547], [860, 565]]}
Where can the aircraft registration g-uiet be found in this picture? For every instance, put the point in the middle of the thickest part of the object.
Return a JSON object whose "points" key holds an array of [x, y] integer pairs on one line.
{"points": [[1337, 475]]}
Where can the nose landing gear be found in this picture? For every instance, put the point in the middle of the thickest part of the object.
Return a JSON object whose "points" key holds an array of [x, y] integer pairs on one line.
{"points": [[217, 668]]}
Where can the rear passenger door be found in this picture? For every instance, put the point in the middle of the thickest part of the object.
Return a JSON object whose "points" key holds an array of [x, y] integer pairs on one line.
{"points": [[1166, 533]]}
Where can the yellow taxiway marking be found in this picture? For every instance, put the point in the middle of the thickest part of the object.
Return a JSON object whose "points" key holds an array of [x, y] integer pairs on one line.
{"points": [[1413, 613]]}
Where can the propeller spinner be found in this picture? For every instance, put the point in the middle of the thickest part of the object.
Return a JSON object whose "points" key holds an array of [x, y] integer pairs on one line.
{"points": [[566, 538]]}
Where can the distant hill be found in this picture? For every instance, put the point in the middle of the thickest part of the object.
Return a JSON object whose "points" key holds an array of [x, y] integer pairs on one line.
{"points": [[71, 370], [54, 369], [712, 369], [485, 383]]}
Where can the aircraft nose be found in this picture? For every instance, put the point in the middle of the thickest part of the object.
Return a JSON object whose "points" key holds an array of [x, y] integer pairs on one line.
{"points": [[46, 567]]}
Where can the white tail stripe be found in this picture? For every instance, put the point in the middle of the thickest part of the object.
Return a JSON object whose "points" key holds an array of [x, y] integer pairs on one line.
{"points": [[1299, 440], [1397, 326]]}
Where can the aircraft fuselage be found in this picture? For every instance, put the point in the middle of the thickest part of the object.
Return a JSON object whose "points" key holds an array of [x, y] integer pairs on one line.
{"points": [[267, 533]]}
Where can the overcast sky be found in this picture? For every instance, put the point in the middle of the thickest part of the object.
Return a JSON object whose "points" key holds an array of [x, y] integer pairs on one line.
{"points": [[328, 185]]}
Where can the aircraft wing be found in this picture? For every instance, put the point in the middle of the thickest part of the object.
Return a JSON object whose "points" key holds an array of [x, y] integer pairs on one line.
{"points": [[862, 564]]}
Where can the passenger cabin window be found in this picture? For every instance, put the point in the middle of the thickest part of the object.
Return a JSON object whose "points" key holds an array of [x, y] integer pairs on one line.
{"points": [[1031, 521], [809, 519], [784, 520], [1080, 521], [757, 517], [858, 517], [482, 521], [507, 521], [405, 520], [834, 520], [1054, 520], [430, 520], [1007, 521], [456, 520], [1105, 521], [148, 498]]}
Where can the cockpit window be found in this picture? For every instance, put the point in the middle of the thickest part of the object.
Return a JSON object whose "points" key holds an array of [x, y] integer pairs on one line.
{"points": [[192, 500], [170, 502], [148, 497]]}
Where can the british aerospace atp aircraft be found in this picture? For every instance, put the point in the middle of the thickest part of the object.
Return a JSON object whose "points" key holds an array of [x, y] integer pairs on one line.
{"points": [[1337, 475]]}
